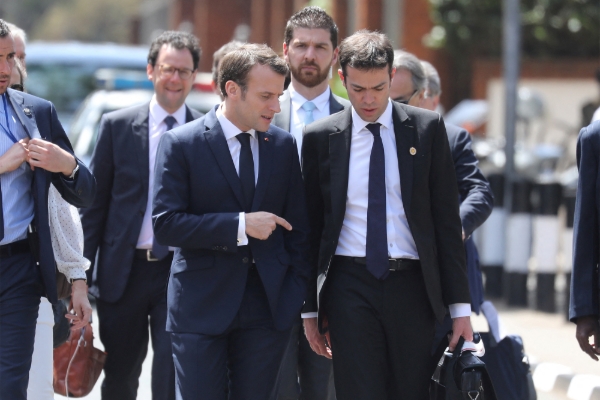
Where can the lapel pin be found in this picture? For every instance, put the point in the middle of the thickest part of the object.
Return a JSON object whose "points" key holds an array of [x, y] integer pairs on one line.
{"points": [[27, 111], [413, 151], [266, 139]]}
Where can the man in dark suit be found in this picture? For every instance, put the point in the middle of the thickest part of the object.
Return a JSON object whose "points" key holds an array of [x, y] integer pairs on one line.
{"points": [[229, 195], [584, 308], [30, 133], [131, 272], [418, 84], [310, 50], [386, 246]]}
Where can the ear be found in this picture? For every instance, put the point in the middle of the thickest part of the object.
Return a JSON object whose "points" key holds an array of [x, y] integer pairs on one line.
{"points": [[232, 89], [285, 52], [341, 75], [150, 72], [392, 74], [334, 59]]}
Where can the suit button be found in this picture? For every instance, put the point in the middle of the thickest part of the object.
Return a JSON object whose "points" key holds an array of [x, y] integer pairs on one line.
{"points": [[245, 260], [215, 247], [224, 248], [79, 192]]}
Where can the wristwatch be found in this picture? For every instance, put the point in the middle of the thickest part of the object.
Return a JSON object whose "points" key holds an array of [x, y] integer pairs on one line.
{"points": [[78, 279], [74, 173]]}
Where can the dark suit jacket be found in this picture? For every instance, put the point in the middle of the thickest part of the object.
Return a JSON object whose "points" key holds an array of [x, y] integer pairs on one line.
{"points": [[283, 119], [39, 119], [585, 280], [112, 224], [476, 203], [429, 195], [197, 200]]}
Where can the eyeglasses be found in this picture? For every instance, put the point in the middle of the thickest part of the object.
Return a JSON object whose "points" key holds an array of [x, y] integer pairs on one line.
{"points": [[405, 101], [167, 71]]}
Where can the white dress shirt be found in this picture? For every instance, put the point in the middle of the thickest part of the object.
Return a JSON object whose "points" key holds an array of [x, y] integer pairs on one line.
{"points": [[231, 131], [156, 128], [321, 110], [353, 236]]}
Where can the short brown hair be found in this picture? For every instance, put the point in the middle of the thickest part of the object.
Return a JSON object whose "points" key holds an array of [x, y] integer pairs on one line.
{"points": [[366, 50], [222, 52], [236, 65], [177, 40], [311, 17]]}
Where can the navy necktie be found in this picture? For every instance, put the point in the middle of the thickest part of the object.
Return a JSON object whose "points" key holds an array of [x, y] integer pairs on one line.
{"points": [[158, 250], [377, 253], [170, 121], [246, 169]]}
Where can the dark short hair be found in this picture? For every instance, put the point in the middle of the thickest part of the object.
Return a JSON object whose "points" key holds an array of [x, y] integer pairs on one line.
{"points": [[366, 50], [219, 54], [236, 65], [4, 29], [177, 40], [312, 17]]}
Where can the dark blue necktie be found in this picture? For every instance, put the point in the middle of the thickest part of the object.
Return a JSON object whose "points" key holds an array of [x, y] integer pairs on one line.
{"points": [[158, 250], [377, 253], [246, 169], [170, 121]]}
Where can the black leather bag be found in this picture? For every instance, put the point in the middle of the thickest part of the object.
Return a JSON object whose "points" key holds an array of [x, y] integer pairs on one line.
{"points": [[459, 376], [62, 326]]}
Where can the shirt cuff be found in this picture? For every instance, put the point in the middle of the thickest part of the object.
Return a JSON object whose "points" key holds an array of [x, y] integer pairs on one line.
{"points": [[242, 239], [458, 310], [309, 315]]}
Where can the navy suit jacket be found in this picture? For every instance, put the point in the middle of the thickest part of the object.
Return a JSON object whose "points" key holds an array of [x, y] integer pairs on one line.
{"points": [[476, 203], [39, 119], [112, 225], [584, 280], [197, 200]]}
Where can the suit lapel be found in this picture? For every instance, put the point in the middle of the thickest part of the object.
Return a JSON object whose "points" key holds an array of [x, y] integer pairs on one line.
{"points": [[188, 115], [25, 113], [140, 128], [218, 145], [339, 158], [283, 118], [265, 159], [334, 105], [406, 137]]}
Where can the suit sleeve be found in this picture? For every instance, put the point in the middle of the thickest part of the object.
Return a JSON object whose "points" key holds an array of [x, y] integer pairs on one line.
{"points": [[173, 224], [584, 280], [474, 189], [80, 191], [296, 240], [93, 218], [314, 204], [446, 220]]}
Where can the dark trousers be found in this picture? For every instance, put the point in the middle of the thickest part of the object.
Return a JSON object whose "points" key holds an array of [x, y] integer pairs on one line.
{"points": [[124, 333], [20, 290], [241, 363], [304, 374], [381, 332]]}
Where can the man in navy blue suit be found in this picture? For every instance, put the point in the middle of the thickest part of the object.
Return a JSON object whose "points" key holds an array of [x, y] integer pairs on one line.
{"points": [[131, 272], [228, 194], [34, 152], [584, 308], [417, 83]]}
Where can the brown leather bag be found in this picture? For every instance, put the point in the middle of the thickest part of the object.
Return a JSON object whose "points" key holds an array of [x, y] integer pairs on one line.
{"points": [[77, 364]]}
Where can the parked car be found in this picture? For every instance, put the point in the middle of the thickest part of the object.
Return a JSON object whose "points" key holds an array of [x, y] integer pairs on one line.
{"points": [[83, 132], [64, 72]]}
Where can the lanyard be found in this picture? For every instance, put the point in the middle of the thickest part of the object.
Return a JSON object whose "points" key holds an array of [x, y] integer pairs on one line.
{"points": [[7, 129]]}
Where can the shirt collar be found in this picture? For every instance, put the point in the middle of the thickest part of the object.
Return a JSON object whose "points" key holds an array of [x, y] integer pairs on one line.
{"points": [[384, 119], [158, 114], [320, 101], [229, 129]]}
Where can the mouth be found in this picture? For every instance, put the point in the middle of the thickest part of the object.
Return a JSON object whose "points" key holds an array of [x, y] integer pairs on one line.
{"points": [[267, 118]]}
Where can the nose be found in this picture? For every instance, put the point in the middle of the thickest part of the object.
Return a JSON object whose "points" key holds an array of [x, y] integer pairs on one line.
{"points": [[274, 106], [310, 53], [368, 97]]}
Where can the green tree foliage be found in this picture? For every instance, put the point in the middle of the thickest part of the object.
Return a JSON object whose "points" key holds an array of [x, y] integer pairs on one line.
{"points": [[550, 28]]}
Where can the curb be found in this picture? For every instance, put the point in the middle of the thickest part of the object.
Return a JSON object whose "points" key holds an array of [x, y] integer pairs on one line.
{"points": [[560, 379]]}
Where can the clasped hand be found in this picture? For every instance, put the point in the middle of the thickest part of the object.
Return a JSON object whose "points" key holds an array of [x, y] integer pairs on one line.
{"points": [[39, 154]]}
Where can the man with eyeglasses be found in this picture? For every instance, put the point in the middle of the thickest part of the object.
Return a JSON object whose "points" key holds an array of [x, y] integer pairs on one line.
{"points": [[132, 268], [423, 81]]}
